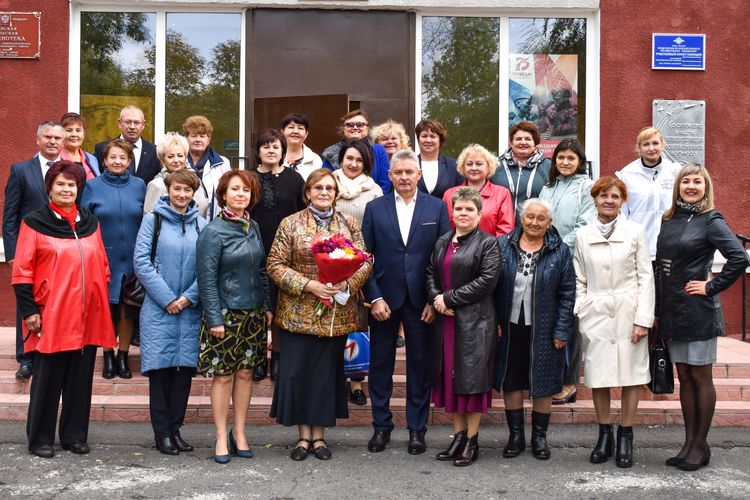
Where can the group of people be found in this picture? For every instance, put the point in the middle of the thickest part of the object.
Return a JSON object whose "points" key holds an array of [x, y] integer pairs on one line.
{"points": [[500, 273]]}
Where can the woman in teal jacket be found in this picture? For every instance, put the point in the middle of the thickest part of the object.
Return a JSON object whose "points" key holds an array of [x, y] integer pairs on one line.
{"points": [[165, 264], [569, 192]]}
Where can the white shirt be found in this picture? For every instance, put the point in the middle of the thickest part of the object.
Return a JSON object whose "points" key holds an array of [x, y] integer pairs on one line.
{"points": [[43, 163], [430, 174], [405, 214], [649, 195], [137, 145]]}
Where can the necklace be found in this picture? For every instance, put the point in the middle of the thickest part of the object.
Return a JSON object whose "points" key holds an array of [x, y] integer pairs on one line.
{"points": [[454, 246]]}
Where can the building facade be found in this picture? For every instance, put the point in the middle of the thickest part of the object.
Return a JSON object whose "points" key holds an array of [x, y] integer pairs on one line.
{"points": [[576, 67]]}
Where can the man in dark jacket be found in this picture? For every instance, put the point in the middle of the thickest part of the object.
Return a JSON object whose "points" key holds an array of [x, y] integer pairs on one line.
{"points": [[145, 163], [400, 230], [24, 193]]}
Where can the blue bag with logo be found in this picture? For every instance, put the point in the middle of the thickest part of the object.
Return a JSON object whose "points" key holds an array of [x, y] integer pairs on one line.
{"points": [[357, 354]]}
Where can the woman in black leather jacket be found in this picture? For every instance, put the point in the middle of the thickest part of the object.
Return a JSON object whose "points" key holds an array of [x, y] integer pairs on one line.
{"points": [[690, 314], [460, 281]]}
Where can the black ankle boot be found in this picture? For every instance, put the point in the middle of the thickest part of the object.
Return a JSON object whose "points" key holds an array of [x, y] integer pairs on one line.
{"points": [[516, 438], [108, 370], [123, 370], [274, 368], [539, 424], [259, 372], [468, 452], [604, 446], [624, 455], [456, 446]]}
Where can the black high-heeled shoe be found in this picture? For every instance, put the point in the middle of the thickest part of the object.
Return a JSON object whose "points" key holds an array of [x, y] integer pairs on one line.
{"points": [[468, 453], [705, 459], [233, 450], [108, 370], [605, 445], [123, 369], [259, 372], [455, 447]]}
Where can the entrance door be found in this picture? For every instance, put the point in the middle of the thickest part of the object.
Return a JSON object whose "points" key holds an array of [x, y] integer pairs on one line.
{"points": [[314, 58]]}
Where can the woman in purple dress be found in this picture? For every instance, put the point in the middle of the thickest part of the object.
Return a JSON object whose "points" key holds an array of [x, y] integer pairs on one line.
{"points": [[460, 281]]}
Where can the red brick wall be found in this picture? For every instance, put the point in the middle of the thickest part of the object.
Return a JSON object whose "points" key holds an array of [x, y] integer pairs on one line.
{"points": [[31, 91], [628, 86]]}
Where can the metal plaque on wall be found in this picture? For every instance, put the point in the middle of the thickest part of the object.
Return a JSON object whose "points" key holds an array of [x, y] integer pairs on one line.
{"points": [[20, 35], [683, 125]]}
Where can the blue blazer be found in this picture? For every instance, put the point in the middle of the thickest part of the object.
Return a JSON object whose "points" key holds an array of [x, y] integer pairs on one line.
{"points": [[148, 164], [24, 193], [448, 177], [400, 269]]}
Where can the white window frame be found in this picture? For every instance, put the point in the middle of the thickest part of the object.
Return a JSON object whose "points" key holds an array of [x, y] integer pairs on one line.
{"points": [[160, 35], [592, 119]]}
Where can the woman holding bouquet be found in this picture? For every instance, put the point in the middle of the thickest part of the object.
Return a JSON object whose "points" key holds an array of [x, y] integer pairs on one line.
{"points": [[310, 391], [460, 281]]}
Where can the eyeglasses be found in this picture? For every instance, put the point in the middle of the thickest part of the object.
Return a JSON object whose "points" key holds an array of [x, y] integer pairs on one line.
{"points": [[321, 189], [355, 125], [132, 123]]}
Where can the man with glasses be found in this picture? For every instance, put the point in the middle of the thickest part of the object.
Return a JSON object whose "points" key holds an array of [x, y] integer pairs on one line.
{"points": [[145, 163]]}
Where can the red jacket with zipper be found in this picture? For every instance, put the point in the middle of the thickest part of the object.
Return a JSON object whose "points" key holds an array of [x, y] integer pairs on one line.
{"points": [[69, 276]]}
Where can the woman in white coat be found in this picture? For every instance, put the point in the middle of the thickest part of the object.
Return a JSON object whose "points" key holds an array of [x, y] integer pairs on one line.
{"points": [[615, 309]]}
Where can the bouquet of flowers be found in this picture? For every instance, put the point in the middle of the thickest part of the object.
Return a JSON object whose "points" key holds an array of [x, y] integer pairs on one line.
{"points": [[337, 258]]}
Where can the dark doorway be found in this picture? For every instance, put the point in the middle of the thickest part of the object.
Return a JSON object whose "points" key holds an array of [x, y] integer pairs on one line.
{"points": [[314, 55]]}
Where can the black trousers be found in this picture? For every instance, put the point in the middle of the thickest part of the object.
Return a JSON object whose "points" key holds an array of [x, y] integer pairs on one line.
{"points": [[169, 390], [67, 373]]}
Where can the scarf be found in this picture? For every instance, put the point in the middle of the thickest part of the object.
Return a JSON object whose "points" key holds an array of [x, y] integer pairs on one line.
{"points": [[68, 215], [351, 188], [322, 219], [606, 228], [691, 208], [244, 219]]}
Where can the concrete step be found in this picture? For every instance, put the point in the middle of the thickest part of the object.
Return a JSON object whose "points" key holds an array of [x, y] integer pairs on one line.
{"points": [[135, 409], [727, 389]]}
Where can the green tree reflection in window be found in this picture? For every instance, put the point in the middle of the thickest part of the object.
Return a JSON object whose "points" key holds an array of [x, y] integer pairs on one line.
{"points": [[460, 79]]}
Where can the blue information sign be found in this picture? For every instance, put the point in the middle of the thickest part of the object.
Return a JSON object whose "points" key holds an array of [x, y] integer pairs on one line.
{"points": [[678, 51]]}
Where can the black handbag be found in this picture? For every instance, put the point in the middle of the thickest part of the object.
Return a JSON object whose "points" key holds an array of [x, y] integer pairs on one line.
{"points": [[133, 292], [660, 366]]}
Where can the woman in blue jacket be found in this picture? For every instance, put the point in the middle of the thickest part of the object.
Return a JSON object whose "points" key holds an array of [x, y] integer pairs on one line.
{"points": [[165, 264], [116, 198]]}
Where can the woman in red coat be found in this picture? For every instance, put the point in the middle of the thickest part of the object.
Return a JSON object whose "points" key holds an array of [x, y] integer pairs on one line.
{"points": [[60, 277]]}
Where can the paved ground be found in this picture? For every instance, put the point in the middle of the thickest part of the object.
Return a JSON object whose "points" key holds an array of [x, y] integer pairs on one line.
{"points": [[124, 464]]}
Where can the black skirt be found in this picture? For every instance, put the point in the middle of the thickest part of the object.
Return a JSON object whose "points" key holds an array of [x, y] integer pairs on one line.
{"points": [[311, 387]]}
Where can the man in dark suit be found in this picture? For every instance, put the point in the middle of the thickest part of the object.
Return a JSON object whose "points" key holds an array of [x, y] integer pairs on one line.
{"points": [[24, 193], [401, 229], [145, 164]]}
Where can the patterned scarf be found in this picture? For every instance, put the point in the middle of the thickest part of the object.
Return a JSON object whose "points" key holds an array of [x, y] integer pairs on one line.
{"points": [[322, 219], [691, 208], [230, 216]]}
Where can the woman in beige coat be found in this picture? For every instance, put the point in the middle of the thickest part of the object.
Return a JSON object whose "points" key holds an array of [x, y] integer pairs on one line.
{"points": [[615, 308]]}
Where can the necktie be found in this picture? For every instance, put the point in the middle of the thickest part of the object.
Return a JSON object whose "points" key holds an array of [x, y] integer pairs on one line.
{"points": [[131, 167]]}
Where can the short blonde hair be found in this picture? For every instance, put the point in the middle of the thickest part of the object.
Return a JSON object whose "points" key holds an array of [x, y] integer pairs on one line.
{"points": [[171, 139], [647, 133], [388, 127], [476, 149]]}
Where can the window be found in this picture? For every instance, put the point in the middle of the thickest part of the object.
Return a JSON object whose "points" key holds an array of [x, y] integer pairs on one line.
{"points": [[170, 64], [462, 78], [117, 69]]}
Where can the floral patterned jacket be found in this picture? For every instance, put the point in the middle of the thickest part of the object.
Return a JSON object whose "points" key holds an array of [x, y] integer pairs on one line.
{"points": [[291, 265]]}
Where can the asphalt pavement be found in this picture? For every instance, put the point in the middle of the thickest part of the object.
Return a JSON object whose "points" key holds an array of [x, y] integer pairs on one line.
{"points": [[124, 464]]}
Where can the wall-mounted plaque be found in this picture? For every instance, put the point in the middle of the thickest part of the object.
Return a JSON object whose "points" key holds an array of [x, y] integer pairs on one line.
{"points": [[683, 125], [20, 35]]}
